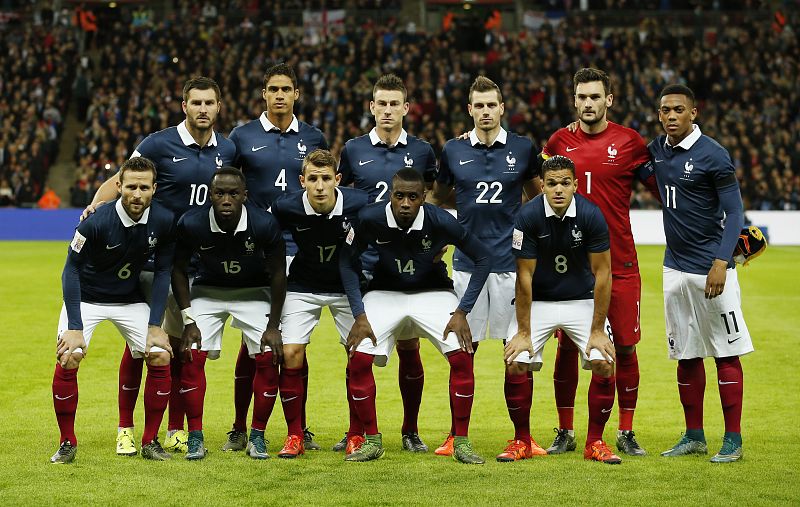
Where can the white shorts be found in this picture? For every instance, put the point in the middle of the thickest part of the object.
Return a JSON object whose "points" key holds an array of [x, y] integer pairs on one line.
{"points": [[302, 311], [173, 322], [403, 315], [248, 308], [131, 319], [494, 308], [574, 317], [700, 327]]}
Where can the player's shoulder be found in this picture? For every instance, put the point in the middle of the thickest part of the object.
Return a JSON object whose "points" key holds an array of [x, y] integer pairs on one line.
{"points": [[587, 209], [223, 142], [287, 203], [657, 144], [358, 142], [621, 131], [514, 139], [438, 215], [306, 129], [196, 216], [161, 213], [533, 208], [160, 137], [456, 144], [711, 144], [259, 219], [373, 213], [354, 198], [414, 141]]}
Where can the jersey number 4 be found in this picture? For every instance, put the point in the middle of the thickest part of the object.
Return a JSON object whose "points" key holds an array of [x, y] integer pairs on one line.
{"points": [[408, 267]]}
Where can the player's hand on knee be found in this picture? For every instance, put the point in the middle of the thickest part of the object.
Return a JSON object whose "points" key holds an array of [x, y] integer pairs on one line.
{"points": [[361, 329], [458, 324], [715, 281], [156, 337], [68, 342], [90, 209], [272, 338], [521, 342], [191, 336], [599, 341]]}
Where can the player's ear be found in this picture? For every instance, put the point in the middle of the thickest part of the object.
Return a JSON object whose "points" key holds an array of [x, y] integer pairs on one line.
{"points": [[694, 113], [338, 178], [609, 100], [264, 94], [469, 109], [183, 106], [502, 108], [296, 93], [372, 107], [406, 106]]}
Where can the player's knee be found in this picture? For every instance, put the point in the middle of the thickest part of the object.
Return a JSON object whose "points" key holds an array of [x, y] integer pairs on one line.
{"points": [[602, 368], [74, 360], [157, 359], [293, 355], [624, 350], [412, 344], [516, 368]]}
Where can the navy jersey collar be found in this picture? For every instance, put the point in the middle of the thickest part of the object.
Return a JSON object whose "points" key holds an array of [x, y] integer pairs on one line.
{"points": [[127, 221], [187, 138], [501, 138], [549, 212], [337, 210], [688, 141], [416, 226], [241, 226], [375, 140], [269, 126]]}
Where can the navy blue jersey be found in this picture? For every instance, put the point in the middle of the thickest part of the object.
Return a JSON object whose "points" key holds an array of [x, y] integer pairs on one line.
{"points": [[224, 259], [561, 247], [319, 238], [692, 178], [369, 164], [184, 169], [406, 257], [107, 255], [488, 182]]}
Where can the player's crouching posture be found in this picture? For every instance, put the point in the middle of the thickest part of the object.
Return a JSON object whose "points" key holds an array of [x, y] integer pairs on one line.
{"points": [[702, 300], [101, 282], [564, 281], [239, 251], [318, 219], [410, 295]]}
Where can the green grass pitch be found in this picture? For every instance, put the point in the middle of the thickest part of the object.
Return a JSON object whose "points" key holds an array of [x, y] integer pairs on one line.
{"points": [[30, 298]]}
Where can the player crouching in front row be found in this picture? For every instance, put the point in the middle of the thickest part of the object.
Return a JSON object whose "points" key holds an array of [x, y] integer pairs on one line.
{"points": [[100, 282], [240, 251], [564, 281]]}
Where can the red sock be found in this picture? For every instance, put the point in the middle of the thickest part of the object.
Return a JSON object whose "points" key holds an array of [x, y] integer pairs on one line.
{"points": [[291, 385], [243, 378], [462, 391], [601, 401], [304, 375], [730, 378], [519, 395], [177, 411], [265, 390], [193, 389], [565, 380], [130, 378], [157, 387], [627, 388], [692, 387], [362, 391], [411, 377], [65, 402], [356, 428]]}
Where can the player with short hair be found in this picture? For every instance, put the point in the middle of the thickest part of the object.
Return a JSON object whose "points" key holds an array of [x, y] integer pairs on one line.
{"points": [[239, 251], [702, 299], [608, 158], [492, 171], [410, 295], [271, 150], [101, 282], [318, 218], [369, 163], [185, 157], [561, 242]]}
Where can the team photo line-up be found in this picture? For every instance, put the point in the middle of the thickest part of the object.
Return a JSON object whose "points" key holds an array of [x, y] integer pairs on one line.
{"points": [[267, 228]]}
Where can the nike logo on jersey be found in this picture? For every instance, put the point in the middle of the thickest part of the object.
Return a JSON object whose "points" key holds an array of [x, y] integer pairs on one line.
{"points": [[409, 377], [176, 159], [459, 395], [240, 378], [462, 162], [682, 384], [204, 248], [542, 237], [184, 391], [736, 339], [287, 400], [109, 247], [360, 399], [259, 148], [382, 242], [605, 410], [267, 395], [636, 329], [722, 383], [629, 389], [301, 229], [511, 409], [163, 394], [657, 160], [126, 388], [569, 149], [361, 162], [65, 397]]}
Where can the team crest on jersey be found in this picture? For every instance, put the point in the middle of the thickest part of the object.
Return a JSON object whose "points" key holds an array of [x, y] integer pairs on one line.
{"points": [[249, 246], [408, 161], [687, 170], [511, 160], [345, 224], [577, 236], [152, 241], [426, 244], [612, 152], [218, 160], [301, 150]]}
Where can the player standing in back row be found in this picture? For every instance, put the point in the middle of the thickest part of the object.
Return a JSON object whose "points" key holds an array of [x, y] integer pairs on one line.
{"points": [[492, 172], [607, 158]]}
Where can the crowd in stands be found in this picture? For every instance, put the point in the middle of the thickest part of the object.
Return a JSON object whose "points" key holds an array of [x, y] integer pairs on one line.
{"points": [[744, 75]]}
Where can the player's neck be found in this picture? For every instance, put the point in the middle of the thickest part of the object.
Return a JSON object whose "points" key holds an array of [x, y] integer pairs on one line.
{"points": [[389, 137], [228, 224], [594, 128], [282, 121], [324, 208], [200, 136], [133, 217], [488, 137]]}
